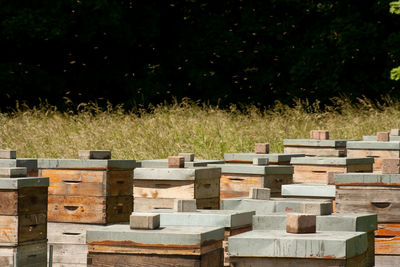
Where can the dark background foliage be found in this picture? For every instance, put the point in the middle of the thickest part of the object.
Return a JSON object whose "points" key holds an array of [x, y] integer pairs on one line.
{"points": [[235, 51]]}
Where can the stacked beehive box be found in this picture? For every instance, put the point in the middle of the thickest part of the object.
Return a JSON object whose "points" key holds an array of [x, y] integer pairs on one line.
{"points": [[190, 162], [23, 218], [318, 145], [156, 188], [145, 243], [8, 158], [234, 222], [377, 193], [238, 179], [261, 150], [300, 244], [94, 190]]}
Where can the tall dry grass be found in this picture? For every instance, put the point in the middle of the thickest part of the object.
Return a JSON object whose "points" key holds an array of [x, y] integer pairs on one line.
{"points": [[165, 130]]}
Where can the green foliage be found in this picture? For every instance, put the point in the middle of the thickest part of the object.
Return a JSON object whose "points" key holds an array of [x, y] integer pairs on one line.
{"points": [[395, 7], [395, 74]]}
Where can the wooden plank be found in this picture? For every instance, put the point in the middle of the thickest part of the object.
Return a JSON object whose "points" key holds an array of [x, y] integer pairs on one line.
{"points": [[27, 200], [164, 189], [143, 204], [83, 209], [315, 151], [68, 233], [314, 173], [207, 188], [387, 239], [30, 254], [8, 202], [70, 254], [378, 155], [384, 201], [120, 183]]}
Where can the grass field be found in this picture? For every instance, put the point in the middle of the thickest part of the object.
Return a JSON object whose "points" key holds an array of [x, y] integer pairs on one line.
{"points": [[165, 130]]}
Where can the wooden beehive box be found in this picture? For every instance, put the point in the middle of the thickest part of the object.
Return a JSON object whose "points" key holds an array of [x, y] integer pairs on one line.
{"points": [[238, 179], [28, 254], [376, 193], [375, 150], [335, 222], [234, 222], [165, 246], [156, 188], [315, 169], [278, 248], [247, 158], [274, 205], [89, 190], [315, 148]]}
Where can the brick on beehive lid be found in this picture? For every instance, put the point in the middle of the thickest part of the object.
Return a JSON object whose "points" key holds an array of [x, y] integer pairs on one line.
{"points": [[319, 134], [8, 154], [176, 162], [391, 166], [394, 132], [261, 148], [94, 154], [273, 205], [260, 193], [382, 136], [145, 221], [13, 172], [188, 156], [300, 223]]}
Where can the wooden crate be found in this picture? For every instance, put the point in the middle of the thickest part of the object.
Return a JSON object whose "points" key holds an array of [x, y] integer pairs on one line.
{"points": [[28, 254], [237, 180], [315, 169], [161, 185], [89, 191], [375, 150], [247, 158], [159, 250], [315, 148]]}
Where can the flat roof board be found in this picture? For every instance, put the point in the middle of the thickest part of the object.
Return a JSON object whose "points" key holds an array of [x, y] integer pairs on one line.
{"points": [[169, 235], [367, 178], [391, 145], [85, 163], [254, 169], [163, 163], [314, 143], [262, 243], [272, 157], [373, 138], [344, 161], [29, 164], [309, 190], [176, 173], [20, 182]]}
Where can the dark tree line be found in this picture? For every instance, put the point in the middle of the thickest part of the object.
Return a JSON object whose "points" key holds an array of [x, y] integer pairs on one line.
{"points": [[235, 51]]}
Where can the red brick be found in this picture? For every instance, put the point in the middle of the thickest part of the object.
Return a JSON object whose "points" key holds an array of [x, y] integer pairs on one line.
{"points": [[261, 148], [323, 135], [382, 136], [298, 223], [390, 166], [176, 162]]}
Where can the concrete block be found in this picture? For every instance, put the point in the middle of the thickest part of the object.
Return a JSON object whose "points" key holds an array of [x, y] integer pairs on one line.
{"points": [[260, 193], [261, 148], [391, 166], [382, 136], [146, 221], [94, 154], [176, 162], [394, 132], [8, 154], [298, 223], [260, 161], [188, 156], [13, 172], [185, 205], [316, 208]]}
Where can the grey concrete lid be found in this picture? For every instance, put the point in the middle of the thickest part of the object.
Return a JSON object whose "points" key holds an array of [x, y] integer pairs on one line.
{"points": [[176, 173], [261, 243], [317, 206], [309, 190], [163, 163], [254, 169], [273, 157], [392, 145], [367, 179], [334, 222], [169, 235], [314, 143], [29, 164], [373, 138], [330, 161], [85, 163], [218, 218], [16, 183]]}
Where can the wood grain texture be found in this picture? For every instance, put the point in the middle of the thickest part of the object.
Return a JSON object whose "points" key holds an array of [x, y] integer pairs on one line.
{"points": [[316, 152], [143, 204], [387, 239], [387, 260], [212, 259], [378, 155], [83, 209], [184, 189], [30, 254], [384, 201], [239, 185], [70, 254], [26, 200]]}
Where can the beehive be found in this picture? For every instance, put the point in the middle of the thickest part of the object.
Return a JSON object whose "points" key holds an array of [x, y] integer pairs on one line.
{"points": [[156, 188], [8, 159], [238, 179], [315, 148]]}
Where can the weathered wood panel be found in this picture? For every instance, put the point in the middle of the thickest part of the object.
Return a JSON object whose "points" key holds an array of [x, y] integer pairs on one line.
{"points": [[385, 201], [315, 152], [314, 173], [387, 260], [143, 204], [84, 209], [378, 155], [31, 254], [70, 254], [120, 183], [27, 200], [387, 239]]}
